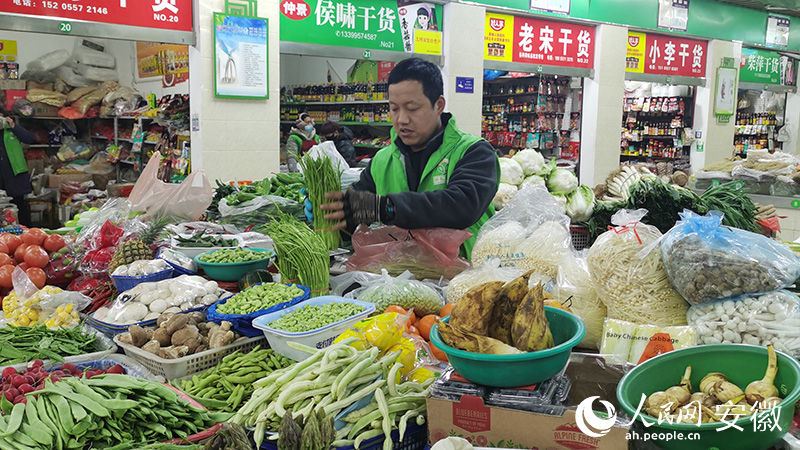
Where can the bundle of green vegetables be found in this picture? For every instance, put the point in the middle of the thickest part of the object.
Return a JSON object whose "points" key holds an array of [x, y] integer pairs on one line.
{"points": [[286, 185], [303, 257], [664, 202], [22, 344], [321, 177]]}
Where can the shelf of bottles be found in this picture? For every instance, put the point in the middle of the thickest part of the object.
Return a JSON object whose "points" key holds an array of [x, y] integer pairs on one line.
{"points": [[755, 131], [352, 103], [656, 127], [530, 112]]}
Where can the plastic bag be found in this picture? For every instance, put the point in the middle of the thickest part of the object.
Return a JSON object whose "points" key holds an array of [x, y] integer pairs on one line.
{"points": [[39, 76], [51, 98], [707, 261], [259, 210], [403, 291], [530, 232], [70, 77], [574, 288], [49, 61], [100, 222], [427, 252], [349, 281], [637, 343], [327, 148], [147, 301], [77, 93], [27, 306], [95, 97], [772, 318], [72, 149], [468, 279], [185, 201], [629, 276], [97, 73]]}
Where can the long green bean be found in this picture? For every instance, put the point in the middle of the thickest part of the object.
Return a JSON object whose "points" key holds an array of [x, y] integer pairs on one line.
{"points": [[302, 254], [321, 177]]}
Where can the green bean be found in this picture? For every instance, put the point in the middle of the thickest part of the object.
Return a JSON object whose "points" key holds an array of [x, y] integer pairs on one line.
{"points": [[302, 254], [232, 256], [321, 177], [312, 317], [17, 414], [256, 298]]}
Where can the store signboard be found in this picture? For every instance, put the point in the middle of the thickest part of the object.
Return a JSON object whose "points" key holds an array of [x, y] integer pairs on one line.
{"points": [[241, 67], [766, 67], [666, 55], [368, 24], [160, 14], [538, 41]]}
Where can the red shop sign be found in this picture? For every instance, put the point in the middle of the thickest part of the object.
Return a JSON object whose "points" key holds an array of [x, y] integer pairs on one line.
{"points": [[162, 14], [669, 55], [551, 43]]}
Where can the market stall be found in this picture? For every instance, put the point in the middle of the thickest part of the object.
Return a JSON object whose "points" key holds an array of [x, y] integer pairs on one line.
{"points": [[97, 107]]}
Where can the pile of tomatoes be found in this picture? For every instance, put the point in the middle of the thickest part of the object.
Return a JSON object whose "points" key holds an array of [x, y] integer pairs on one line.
{"points": [[30, 251], [420, 327]]}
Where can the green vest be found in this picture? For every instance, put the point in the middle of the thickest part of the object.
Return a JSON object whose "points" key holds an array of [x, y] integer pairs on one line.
{"points": [[388, 169]]}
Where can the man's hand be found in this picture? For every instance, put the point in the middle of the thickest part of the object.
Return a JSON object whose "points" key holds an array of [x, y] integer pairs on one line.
{"points": [[352, 208], [10, 122]]}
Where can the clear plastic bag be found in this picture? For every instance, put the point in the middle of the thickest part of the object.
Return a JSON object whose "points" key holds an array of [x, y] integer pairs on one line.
{"points": [[349, 281], [50, 306], [708, 261], [73, 79], [186, 201], [403, 291], [772, 318], [427, 252], [327, 148], [259, 210], [49, 61], [468, 279], [574, 288], [636, 343], [530, 233], [147, 301], [626, 268]]}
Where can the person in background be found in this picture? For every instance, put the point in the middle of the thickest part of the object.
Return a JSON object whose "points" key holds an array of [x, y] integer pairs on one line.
{"points": [[432, 174], [302, 137], [342, 137], [14, 176]]}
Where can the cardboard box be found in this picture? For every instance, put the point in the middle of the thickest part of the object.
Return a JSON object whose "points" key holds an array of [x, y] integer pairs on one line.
{"points": [[489, 426], [12, 95], [54, 181], [44, 110]]}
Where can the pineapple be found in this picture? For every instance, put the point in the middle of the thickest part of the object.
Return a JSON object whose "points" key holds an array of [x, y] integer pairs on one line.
{"points": [[139, 248]]}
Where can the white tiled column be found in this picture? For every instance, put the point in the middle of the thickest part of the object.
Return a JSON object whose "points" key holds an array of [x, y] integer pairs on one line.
{"points": [[602, 106], [238, 139], [462, 47]]}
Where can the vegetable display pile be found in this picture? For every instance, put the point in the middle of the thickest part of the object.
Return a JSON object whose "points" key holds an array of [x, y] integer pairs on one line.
{"points": [[321, 177], [32, 251], [107, 409], [718, 400], [28, 312], [302, 254], [330, 380], [178, 335], [312, 317], [402, 292], [203, 240], [258, 297], [287, 185], [739, 211], [500, 319], [232, 256], [16, 384], [230, 383], [23, 344]]}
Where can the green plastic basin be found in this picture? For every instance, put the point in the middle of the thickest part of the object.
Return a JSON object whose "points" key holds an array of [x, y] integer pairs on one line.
{"points": [[742, 364], [234, 271], [518, 370]]}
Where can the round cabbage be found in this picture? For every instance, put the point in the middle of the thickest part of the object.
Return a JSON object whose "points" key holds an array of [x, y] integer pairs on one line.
{"points": [[532, 162], [511, 172], [505, 192]]}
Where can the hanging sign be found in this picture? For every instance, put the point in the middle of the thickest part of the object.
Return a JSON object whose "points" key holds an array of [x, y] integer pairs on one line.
{"points": [[240, 56], [777, 31], [665, 55], [760, 66], [673, 14], [160, 14], [551, 6], [538, 41], [367, 24]]}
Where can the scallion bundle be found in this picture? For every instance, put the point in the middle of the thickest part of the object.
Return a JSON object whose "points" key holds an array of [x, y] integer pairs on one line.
{"points": [[321, 177], [302, 255]]}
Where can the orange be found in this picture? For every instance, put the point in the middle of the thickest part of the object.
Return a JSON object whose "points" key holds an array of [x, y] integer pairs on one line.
{"points": [[402, 312], [446, 309], [411, 329], [425, 325], [440, 355]]}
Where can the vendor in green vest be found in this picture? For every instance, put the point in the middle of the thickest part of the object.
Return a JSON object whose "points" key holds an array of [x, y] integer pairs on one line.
{"points": [[432, 174]]}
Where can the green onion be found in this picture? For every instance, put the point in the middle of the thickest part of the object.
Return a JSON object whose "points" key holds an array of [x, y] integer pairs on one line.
{"points": [[303, 257], [321, 177]]}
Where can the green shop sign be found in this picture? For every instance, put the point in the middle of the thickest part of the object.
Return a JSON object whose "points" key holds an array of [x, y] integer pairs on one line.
{"points": [[760, 66], [367, 24]]}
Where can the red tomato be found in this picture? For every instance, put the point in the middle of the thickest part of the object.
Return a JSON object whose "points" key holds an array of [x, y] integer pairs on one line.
{"points": [[35, 256], [3, 247], [37, 276], [35, 236], [12, 241], [19, 253], [54, 243], [5, 276], [24, 266], [5, 260]]}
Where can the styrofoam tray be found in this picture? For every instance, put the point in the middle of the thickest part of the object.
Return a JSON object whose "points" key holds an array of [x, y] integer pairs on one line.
{"points": [[319, 338]]}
